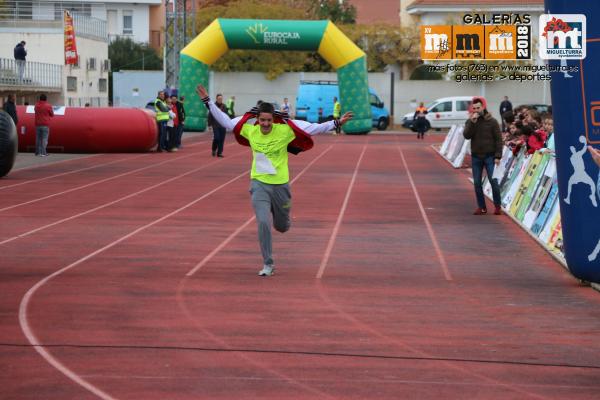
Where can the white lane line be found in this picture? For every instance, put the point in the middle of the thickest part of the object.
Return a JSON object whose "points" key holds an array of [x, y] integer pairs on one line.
{"points": [[245, 224], [24, 321], [338, 223], [98, 182], [71, 172], [22, 235], [432, 235], [82, 169], [56, 162]]}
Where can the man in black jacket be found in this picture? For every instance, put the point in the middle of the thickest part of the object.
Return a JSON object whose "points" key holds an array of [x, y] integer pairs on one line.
{"points": [[20, 54], [505, 106], [10, 108], [486, 151], [218, 130], [181, 119]]}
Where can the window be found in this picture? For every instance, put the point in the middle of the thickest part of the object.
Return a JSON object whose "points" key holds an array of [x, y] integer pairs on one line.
{"points": [[373, 99], [71, 83], [91, 64], [463, 105], [106, 65], [443, 107], [102, 85], [127, 22]]}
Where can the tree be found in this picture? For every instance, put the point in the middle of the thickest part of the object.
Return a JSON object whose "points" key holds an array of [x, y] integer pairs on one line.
{"points": [[384, 44], [125, 54], [334, 10]]}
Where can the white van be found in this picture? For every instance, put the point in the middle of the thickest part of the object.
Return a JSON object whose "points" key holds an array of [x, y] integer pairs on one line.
{"points": [[444, 112]]}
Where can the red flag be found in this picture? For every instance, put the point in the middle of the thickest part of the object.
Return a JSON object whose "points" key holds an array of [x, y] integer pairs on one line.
{"points": [[70, 46]]}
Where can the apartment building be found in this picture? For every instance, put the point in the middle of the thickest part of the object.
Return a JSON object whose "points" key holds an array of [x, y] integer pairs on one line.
{"points": [[40, 24]]}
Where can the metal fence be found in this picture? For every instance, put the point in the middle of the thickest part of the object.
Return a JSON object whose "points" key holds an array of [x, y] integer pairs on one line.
{"points": [[30, 75]]}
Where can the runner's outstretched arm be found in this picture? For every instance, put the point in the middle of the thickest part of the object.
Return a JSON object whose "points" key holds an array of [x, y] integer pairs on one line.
{"points": [[222, 118], [315, 129]]}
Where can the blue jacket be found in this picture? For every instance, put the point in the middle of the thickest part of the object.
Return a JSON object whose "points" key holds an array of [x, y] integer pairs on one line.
{"points": [[20, 52]]}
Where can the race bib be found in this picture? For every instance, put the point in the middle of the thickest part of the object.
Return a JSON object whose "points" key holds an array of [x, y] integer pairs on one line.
{"points": [[263, 165]]}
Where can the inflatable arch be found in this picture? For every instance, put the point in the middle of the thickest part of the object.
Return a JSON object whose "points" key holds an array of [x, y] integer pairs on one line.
{"points": [[322, 36]]}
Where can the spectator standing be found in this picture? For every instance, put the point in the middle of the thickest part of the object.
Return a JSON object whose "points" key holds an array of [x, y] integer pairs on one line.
{"points": [[218, 129], [173, 123], [486, 151], [337, 112], [505, 106], [286, 108], [10, 108], [43, 114], [20, 54], [180, 119], [420, 121], [230, 107], [162, 117]]}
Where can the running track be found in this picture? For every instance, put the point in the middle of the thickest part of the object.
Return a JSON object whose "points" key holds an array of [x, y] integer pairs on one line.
{"points": [[133, 276]]}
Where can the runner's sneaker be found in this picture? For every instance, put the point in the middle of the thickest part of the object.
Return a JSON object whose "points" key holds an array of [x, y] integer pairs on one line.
{"points": [[267, 270]]}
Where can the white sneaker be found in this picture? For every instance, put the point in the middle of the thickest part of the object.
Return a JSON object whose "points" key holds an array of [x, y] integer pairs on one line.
{"points": [[267, 270]]}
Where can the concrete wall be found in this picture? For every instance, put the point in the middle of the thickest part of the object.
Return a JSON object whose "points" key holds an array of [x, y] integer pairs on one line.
{"points": [[248, 87], [136, 88]]}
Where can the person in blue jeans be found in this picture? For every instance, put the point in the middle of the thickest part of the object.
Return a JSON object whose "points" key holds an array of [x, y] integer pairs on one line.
{"points": [[486, 151]]}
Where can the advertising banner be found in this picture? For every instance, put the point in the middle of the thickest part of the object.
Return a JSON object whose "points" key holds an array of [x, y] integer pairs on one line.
{"points": [[570, 41], [70, 46]]}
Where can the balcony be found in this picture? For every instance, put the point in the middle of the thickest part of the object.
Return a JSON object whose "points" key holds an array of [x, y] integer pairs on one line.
{"points": [[37, 77], [22, 16]]}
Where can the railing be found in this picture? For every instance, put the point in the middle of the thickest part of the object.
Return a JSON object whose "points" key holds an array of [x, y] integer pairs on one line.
{"points": [[90, 27], [30, 75], [49, 15]]}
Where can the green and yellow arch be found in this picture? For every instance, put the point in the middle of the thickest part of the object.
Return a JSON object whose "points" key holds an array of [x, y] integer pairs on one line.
{"points": [[321, 36]]}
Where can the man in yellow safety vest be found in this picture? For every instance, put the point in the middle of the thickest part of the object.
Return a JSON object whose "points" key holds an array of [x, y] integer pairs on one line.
{"points": [[162, 117], [337, 111]]}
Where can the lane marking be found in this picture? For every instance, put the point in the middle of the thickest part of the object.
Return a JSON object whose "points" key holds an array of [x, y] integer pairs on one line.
{"points": [[432, 235], [71, 172], [98, 182], [82, 169], [338, 223], [245, 224], [23, 319], [22, 235], [56, 162]]}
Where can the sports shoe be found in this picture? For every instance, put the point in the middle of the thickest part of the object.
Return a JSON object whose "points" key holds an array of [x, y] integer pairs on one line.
{"points": [[480, 211], [267, 270], [497, 210]]}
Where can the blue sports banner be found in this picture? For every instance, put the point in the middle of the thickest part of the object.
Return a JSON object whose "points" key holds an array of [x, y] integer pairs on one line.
{"points": [[570, 40]]}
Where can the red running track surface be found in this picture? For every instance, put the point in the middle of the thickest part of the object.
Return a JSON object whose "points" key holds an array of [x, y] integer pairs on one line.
{"points": [[135, 277]]}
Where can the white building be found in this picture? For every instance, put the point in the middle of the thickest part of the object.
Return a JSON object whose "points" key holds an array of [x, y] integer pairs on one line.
{"points": [[40, 24], [129, 19]]}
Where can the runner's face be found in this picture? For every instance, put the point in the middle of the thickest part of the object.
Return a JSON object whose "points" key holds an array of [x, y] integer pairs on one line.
{"points": [[265, 120]]}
